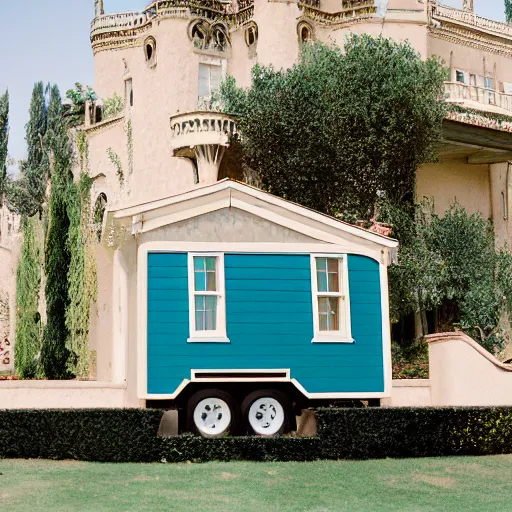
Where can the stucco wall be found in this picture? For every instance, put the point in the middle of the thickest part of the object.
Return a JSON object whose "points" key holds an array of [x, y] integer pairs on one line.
{"points": [[62, 395], [463, 373], [455, 180], [473, 60], [409, 393]]}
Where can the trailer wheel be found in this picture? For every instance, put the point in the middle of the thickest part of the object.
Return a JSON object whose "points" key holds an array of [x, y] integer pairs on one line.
{"points": [[266, 412], [212, 413]]}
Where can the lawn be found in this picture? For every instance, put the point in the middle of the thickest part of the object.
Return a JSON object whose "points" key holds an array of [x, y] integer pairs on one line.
{"points": [[448, 484]]}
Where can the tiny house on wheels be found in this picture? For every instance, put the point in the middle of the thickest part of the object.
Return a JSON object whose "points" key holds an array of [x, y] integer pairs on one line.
{"points": [[249, 307]]}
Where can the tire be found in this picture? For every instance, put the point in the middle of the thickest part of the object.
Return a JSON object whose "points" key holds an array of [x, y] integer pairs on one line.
{"points": [[266, 413], [212, 413]]}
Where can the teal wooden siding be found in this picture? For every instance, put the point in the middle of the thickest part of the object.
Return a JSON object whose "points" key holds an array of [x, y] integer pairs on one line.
{"points": [[269, 323]]}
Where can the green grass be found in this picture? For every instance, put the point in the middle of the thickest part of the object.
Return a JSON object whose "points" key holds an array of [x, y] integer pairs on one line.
{"points": [[448, 484]]}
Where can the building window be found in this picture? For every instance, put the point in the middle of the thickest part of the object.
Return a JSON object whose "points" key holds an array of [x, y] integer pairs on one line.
{"points": [[207, 298], [331, 304], [459, 76], [100, 207], [210, 76], [305, 32], [150, 51], [128, 92], [251, 39]]}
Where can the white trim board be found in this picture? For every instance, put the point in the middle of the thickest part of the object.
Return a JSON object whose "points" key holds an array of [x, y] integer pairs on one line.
{"points": [[254, 201]]}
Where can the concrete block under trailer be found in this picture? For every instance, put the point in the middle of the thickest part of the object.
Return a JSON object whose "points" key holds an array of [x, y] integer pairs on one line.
{"points": [[238, 340]]}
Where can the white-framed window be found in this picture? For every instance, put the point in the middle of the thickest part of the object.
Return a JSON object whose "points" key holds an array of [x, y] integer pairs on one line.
{"points": [[331, 300], [210, 77], [207, 298]]}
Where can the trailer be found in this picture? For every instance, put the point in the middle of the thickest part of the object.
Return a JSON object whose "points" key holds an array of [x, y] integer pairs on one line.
{"points": [[250, 308]]}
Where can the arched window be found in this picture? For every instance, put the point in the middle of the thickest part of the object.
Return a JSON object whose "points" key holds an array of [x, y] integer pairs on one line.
{"points": [[305, 32], [251, 38], [100, 207], [150, 51]]}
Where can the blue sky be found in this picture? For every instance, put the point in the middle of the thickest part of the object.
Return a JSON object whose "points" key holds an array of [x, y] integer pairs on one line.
{"points": [[49, 40]]}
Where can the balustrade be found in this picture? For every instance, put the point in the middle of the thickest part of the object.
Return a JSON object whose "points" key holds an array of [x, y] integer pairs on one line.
{"points": [[456, 91], [470, 18]]}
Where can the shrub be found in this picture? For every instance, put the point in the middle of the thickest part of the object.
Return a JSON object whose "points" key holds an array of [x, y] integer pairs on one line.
{"points": [[414, 432], [117, 435], [130, 435]]}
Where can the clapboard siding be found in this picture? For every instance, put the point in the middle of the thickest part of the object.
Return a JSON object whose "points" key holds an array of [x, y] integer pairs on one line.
{"points": [[269, 324]]}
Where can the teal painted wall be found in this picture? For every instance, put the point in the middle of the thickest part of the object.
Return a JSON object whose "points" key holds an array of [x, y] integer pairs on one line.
{"points": [[269, 323]]}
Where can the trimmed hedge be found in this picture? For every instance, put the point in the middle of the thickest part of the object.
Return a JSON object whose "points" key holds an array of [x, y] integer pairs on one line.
{"points": [[279, 449], [103, 435], [414, 432], [130, 435]]}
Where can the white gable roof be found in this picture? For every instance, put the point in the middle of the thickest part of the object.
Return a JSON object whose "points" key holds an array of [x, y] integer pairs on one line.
{"points": [[233, 194]]}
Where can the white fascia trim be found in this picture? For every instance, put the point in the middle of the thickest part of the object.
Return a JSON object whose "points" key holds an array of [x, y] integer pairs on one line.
{"points": [[142, 322], [326, 396], [386, 331], [259, 248], [172, 218], [286, 371], [324, 219], [168, 201], [265, 197]]}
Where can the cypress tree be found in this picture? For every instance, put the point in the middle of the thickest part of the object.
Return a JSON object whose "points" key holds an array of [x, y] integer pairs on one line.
{"points": [[4, 139], [508, 11], [27, 194], [55, 355]]}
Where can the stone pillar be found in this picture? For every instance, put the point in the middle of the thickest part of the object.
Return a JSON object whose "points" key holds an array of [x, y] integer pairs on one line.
{"points": [[98, 8], [468, 5]]}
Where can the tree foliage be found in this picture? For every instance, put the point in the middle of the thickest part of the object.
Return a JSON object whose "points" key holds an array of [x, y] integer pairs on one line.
{"points": [[28, 281], [54, 356], [508, 11], [26, 195], [450, 265], [341, 126], [4, 141]]}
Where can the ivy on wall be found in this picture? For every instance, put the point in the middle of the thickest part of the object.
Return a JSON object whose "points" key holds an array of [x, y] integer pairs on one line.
{"points": [[116, 162], [28, 281], [129, 145], [112, 107], [82, 276]]}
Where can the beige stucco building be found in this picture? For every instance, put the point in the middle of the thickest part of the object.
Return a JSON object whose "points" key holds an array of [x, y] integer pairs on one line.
{"points": [[166, 61]]}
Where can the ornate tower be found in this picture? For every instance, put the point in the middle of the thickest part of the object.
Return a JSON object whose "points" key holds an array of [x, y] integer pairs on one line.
{"points": [[98, 8], [468, 5]]}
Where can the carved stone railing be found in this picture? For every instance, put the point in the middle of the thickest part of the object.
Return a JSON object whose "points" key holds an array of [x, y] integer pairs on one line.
{"points": [[457, 92], [202, 137], [470, 18], [117, 22], [133, 20], [200, 128], [351, 11]]}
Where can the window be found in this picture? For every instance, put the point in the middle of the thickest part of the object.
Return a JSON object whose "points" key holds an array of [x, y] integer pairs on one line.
{"points": [[459, 76], [210, 76], [128, 92], [207, 298], [305, 32], [331, 305], [150, 51]]}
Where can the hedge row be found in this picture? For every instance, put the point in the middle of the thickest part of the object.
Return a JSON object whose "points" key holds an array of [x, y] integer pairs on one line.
{"points": [[122, 435], [131, 436], [414, 432]]}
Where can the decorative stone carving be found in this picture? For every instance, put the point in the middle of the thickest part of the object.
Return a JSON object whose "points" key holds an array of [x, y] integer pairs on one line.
{"points": [[98, 8], [305, 32], [207, 35], [468, 5]]}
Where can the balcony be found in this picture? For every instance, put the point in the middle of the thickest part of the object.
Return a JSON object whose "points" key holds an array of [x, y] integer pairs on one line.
{"points": [[479, 98], [203, 138], [470, 19]]}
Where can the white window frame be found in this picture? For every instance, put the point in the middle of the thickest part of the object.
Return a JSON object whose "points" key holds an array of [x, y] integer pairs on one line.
{"points": [[210, 61], [219, 335], [344, 334]]}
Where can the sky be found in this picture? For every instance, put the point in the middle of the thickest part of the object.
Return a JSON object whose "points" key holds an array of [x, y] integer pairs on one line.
{"points": [[48, 40]]}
